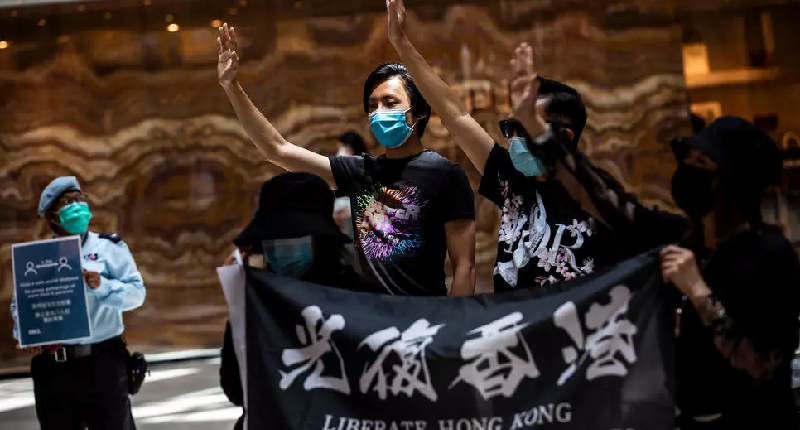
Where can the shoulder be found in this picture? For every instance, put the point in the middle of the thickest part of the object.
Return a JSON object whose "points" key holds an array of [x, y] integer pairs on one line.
{"points": [[112, 242], [111, 237], [350, 159], [773, 244]]}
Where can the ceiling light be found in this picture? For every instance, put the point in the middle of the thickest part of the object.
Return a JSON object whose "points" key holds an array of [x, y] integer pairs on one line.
{"points": [[216, 23], [3, 44], [172, 28]]}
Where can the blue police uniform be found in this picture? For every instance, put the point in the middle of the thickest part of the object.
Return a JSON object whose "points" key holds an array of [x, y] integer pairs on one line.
{"points": [[84, 384]]}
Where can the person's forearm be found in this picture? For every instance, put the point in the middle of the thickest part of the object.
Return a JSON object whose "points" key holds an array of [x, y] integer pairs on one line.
{"points": [[255, 124], [463, 280], [121, 296], [730, 341], [444, 101]]}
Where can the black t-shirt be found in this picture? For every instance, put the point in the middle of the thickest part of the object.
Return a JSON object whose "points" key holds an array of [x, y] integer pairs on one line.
{"points": [[399, 210], [545, 237]]}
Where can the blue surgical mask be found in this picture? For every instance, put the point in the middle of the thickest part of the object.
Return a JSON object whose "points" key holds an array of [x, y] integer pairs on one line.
{"points": [[389, 127], [523, 160], [289, 257], [75, 217]]}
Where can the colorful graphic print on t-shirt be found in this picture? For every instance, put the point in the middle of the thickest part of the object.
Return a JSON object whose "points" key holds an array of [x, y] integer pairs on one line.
{"points": [[389, 222]]}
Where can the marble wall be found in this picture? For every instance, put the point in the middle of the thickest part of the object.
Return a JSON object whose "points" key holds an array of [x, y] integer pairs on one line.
{"points": [[167, 166]]}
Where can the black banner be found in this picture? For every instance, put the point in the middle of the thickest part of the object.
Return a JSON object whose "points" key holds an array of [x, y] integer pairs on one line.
{"points": [[597, 355]]}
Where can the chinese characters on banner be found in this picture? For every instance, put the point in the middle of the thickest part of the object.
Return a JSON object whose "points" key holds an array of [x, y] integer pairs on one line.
{"points": [[336, 360], [49, 292]]}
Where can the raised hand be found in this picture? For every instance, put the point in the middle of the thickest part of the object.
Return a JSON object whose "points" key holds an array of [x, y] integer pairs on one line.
{"points": [[524, 90], [397, 21], [228, 63]]}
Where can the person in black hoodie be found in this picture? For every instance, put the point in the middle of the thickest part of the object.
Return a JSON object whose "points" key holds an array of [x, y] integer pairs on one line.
{"points": [[294, 231], [739, 278]]}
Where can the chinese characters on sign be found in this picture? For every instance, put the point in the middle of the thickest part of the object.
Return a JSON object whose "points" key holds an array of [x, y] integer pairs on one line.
{"points": [[316, 343], [409, 346], [49, 303], [486, 372], [497, 357], [610, 335]]}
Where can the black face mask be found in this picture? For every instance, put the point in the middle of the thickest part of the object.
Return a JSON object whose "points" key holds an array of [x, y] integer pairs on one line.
{"points": [[693, 190]]}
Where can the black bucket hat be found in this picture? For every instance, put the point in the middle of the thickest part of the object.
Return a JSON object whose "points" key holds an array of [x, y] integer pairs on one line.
{"points": [[292, 205], [744, 153]]}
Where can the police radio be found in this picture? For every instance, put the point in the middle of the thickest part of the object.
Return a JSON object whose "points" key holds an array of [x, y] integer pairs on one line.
{"points": [[137, 371]]}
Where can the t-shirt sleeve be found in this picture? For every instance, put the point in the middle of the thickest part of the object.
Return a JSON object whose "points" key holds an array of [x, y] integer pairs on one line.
{"points": [[346, 169], [457, 198], [653, 227], [499, 176]]}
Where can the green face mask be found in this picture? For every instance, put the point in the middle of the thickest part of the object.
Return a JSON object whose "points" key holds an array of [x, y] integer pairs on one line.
{"points": [[75, 217]]}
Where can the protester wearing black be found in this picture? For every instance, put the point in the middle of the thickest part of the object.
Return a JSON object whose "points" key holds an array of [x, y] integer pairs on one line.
{"points": [[545, 236], [293, 229], [411, 208], [740, 278]]}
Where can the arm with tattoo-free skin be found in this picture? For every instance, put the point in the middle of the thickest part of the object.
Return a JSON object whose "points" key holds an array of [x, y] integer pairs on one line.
{"points": [[597, 192], [260, 131], [467, 133], [461, 248]]}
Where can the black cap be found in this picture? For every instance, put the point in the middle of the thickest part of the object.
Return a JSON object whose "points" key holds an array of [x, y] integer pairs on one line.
{"points": [[292, 205], [743, 152]]}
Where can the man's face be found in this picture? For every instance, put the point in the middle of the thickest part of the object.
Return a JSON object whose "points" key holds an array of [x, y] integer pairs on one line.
{"points": [[391, 94], [66, 199]]}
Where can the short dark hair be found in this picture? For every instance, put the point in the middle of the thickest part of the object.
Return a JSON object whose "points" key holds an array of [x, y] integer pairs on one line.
{"points": [[569, 106], [419, 106], [353, 140]]}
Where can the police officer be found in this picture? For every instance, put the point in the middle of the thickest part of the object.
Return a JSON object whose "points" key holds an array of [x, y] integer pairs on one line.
{"points": [[85, 384]]}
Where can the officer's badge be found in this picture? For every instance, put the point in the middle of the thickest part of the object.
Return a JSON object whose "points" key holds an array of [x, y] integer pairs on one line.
{"points": [[91, 257]]}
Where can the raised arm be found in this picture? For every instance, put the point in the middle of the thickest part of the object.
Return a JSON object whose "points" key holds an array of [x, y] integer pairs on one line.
{"points": [[263, 134], [468, 134], [598, 193]]}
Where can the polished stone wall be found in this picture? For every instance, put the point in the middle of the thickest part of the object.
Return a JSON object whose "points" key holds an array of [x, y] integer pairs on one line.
{"points": [[167, 166]]}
